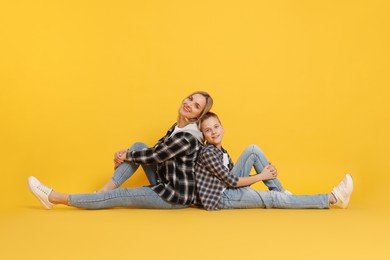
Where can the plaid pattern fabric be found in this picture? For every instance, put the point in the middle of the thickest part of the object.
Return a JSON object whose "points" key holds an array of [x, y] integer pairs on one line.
{"points": [[212, 177], [175, 157]]}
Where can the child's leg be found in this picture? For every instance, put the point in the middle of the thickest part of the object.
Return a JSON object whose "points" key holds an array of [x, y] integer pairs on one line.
{"points": [[246, 197], [253, 156]]}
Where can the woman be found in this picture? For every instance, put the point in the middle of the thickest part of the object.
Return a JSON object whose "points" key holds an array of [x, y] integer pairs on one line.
{"points": [[169, 166], [220, 185]]}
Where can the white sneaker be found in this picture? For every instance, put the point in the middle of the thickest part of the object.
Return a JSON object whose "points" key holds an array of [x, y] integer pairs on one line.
{"points": [[343, 191], [40, 191]]}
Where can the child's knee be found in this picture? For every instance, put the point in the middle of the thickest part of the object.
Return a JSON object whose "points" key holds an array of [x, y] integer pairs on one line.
{"points": [[255, 149]]}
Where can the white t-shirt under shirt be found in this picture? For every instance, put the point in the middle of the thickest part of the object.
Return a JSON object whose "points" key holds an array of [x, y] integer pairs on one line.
{"points": [[225, 160], [225, 163], [191, 128]]}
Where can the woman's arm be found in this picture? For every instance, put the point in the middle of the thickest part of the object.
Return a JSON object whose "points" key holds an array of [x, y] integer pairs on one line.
{"points": [[177, 145], [268, 173]]}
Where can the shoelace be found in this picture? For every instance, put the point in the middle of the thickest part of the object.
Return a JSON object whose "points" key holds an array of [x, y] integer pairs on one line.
{"points": [[44, 189], [343, 188], [340, 192]]}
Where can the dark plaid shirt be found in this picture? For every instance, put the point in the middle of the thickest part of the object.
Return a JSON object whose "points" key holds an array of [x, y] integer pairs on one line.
{"points": [[175, 157], [212, 176]]}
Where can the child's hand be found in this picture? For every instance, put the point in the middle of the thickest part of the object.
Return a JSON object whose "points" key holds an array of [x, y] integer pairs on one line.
{"points": [[269, 172]]}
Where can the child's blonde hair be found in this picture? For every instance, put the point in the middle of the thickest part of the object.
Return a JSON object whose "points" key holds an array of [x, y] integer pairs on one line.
{"points": [[206, 116]]}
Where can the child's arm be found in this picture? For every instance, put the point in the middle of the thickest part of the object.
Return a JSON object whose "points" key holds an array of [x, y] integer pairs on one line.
{"points": [[214, 165], [268, 173]]}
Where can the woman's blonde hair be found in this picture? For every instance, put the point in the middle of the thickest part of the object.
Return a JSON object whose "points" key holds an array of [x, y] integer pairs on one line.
{"points": [[207, 107]]}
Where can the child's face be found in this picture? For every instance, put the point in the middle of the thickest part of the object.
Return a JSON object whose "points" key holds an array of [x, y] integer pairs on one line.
{"points": [[213, 131]]}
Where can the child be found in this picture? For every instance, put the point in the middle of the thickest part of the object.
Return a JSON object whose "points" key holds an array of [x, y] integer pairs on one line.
{"points": [[220, 185]]}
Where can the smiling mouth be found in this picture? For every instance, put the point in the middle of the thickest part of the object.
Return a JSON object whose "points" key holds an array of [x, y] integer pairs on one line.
{"points": [[187, 109]]}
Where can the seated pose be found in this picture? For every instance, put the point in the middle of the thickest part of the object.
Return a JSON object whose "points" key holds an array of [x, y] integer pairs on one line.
{"points": [[220, 185], [169, 166]]}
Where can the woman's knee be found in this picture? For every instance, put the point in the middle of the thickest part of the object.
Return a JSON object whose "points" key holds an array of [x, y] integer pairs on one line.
{"points": [[138, 146]]}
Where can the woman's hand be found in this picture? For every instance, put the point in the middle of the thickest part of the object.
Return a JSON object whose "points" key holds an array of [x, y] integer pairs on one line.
{"points": [[119, 157], [269, 172]]}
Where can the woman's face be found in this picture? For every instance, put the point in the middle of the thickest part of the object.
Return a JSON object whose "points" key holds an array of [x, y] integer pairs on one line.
{"points": [[192, 106]]}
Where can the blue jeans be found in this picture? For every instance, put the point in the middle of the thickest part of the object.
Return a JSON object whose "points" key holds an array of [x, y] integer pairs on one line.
{"points": [[142, 197], [127, 169], [253, 156], [246, 197]]}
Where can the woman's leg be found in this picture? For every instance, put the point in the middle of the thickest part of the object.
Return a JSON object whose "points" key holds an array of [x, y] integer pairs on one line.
{"points": [[127, 169], [253, 156], [247, 197], [142, 197]]}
